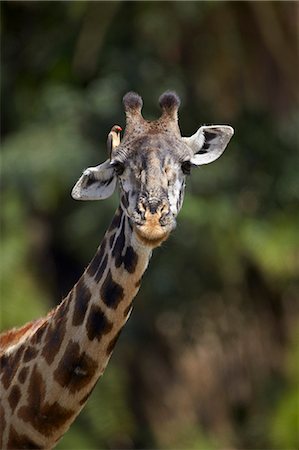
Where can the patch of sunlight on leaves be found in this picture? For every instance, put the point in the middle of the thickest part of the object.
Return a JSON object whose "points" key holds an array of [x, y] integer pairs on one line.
{"points": [[191, 438], [21, 298], [104, 93], [13, 245], [59, 101], [76, 439], [75, 10], [274, 244], [88, 219], [214, 178], [213, 211], [284, 431], [41, 161], [107, 409]]}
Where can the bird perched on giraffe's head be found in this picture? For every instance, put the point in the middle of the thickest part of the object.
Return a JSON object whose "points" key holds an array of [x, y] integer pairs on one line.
{"points": [[113, 138]]}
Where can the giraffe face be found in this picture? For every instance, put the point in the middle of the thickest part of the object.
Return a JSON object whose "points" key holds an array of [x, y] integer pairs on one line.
{"points": [[151, 176], [150, 166]]}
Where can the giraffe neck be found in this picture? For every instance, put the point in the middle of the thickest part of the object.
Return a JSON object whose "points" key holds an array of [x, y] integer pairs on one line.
{"points": [[49, 375]]}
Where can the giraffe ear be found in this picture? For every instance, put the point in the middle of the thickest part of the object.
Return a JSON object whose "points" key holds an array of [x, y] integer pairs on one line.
{"points": [[96, 183], [208, 143]]}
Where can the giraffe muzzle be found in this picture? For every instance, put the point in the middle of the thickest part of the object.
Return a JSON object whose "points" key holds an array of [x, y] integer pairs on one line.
{"points": [[154, 221]]}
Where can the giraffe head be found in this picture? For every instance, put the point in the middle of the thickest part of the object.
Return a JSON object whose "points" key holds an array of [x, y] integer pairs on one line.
{"points": [[151, 165]]}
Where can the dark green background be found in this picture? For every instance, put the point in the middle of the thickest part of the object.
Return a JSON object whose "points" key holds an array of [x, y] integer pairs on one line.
{"points": [[209, 358]]}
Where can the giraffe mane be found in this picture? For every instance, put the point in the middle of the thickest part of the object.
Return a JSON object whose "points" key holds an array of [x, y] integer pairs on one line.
{"points": [[17, 335]]}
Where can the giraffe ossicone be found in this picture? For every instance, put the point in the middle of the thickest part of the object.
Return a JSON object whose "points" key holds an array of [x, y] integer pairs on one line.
{"points": [[49, 367]]}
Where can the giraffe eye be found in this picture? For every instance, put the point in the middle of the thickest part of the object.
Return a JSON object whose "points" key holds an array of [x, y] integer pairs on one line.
{"points": [[186, 167], [118, 167]]}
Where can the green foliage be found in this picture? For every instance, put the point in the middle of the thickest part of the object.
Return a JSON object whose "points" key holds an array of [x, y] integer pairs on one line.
{"points": [[24, 297], [284, 425]]}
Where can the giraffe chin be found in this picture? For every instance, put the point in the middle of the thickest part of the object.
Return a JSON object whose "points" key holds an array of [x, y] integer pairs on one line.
{"points": [[152, 236]]}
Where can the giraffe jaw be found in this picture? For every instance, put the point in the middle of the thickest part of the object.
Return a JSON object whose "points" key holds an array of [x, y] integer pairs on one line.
{"points": [[152, 233], [151, 240]]}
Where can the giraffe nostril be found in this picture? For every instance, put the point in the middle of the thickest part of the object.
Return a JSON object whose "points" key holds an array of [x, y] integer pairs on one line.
{"points": [[164, 209]]}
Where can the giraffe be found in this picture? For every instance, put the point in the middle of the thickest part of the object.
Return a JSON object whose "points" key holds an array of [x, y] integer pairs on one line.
{"points": [[50, 366]]}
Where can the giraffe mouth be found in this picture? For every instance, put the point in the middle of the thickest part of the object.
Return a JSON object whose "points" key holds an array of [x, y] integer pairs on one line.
{"points": [[151, 238], [151, 232]]}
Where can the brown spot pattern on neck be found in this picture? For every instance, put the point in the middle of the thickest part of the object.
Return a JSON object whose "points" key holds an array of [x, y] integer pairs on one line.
{"points": [[75, 369], [112, 293], [43, 416], [18, 441], [82, 296], [97, 324]]}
